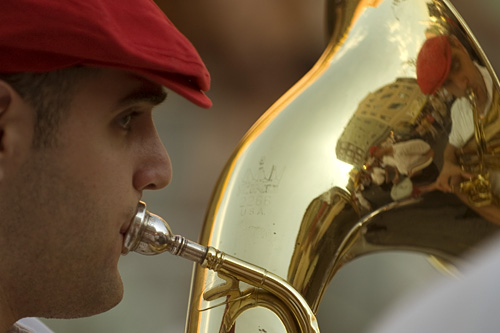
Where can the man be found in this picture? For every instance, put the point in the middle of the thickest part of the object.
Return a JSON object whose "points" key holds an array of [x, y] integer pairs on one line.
{"points": [[445, 67], [78, 82], [407, 158]]}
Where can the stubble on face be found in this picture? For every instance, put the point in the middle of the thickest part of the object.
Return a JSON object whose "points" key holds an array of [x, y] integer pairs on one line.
{"points": [[67, 203], [62, 273], [62, 229]]}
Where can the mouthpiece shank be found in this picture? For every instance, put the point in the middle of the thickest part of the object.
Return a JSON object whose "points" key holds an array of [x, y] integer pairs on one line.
{"points": [[149, 234]]}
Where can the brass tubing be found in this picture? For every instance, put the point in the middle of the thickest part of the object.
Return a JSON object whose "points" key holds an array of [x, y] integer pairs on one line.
{"points": [[261, 278], [149, 234]]}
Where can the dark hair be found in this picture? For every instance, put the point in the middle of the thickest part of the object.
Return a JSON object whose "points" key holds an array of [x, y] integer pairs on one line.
{"points": [[50, 94]]}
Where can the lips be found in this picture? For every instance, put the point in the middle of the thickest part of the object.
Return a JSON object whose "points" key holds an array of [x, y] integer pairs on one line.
{"points": [[126, 225], [124, 228], [123, 231]]}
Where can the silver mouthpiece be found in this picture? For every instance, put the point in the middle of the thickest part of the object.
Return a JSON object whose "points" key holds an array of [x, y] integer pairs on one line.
{"points": [[149, 234]]}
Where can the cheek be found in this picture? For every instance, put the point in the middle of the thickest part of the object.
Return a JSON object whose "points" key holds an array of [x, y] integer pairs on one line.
{"points": [[454, 90], [102, 166]]}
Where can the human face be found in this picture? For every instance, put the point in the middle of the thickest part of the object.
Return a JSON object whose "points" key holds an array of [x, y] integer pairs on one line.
{"points": [[70, 205], [464, 75]]}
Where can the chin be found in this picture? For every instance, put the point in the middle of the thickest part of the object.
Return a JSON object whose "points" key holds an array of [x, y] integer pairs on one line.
{"points": [[110, 295], [88, 302]]}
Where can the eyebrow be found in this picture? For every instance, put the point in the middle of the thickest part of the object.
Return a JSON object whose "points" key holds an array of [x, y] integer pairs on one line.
{"points": [[153, 95]]}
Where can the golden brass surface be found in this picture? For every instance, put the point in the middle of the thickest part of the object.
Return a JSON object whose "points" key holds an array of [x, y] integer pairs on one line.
{"points": [[281, 298], [304, 193]]}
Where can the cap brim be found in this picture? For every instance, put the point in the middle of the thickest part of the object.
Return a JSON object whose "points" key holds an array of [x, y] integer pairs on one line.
{"points": [[181, 87]]}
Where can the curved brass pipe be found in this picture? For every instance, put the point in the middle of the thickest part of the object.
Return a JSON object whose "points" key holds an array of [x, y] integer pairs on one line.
{"points": [[254, 298], [149, 234]]}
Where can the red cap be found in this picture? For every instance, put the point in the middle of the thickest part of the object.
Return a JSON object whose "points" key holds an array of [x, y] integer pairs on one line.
{"points": [[131, 35], [433, 64]]}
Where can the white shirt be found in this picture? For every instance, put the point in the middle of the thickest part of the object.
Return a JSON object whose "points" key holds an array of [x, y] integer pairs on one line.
{"points": [[462, 119], [407, 155], [462, 128], [33, 325]]}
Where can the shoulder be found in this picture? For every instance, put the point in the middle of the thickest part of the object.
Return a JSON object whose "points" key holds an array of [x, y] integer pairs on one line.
{"points": [[411, 144], [461, 112], [460, 106]]}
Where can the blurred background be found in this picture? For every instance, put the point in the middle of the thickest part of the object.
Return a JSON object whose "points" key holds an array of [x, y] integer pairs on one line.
{"points": [[255, 50]]}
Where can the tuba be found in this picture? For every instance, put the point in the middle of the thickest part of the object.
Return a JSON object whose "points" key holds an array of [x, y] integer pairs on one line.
{"points": [[481, 161], [341, 166]]}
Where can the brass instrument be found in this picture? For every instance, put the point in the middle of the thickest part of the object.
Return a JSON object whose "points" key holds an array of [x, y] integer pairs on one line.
{"points": [[149, 234], [479, 189], [301, 196]]}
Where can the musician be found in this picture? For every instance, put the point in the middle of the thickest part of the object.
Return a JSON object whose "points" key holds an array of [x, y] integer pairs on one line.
{"points": [[78, 82], [408, 158], [444, 67]]}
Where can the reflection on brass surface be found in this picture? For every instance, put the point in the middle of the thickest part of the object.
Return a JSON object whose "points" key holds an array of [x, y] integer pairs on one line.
{"points": [[362, 155], [479, 188], [325, 227]]}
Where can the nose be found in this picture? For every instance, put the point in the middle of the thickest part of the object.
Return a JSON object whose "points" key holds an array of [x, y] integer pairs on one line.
{"points": [[154, 169]]}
